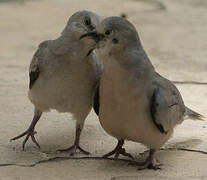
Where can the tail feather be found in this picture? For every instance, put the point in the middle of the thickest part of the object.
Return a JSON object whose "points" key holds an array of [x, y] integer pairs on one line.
{"points": [[190, 114]]}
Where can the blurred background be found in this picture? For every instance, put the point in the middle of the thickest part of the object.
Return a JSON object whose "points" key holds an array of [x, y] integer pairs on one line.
{"points": [[174, 34]]}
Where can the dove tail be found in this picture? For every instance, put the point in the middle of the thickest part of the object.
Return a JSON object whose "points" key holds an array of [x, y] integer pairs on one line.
{"points": [[190, 114]]}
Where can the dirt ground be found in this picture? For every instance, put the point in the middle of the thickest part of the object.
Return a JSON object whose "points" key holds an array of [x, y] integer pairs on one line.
{"points": [[174, 35]]}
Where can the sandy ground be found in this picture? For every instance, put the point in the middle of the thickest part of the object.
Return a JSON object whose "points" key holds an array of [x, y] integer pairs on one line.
{"points": [[173, 33]]}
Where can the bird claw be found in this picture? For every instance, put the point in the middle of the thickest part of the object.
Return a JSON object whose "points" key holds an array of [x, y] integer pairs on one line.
{"points": [[28, 133], [73, 150], [124, 153], [148, 164], [156, 166], [117, 152]]}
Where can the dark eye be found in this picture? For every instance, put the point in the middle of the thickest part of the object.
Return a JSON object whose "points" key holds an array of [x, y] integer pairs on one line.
{"points": [[115, 41], [108, 32], [87, 21]]}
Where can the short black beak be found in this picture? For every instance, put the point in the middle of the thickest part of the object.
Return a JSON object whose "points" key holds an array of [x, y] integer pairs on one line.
{"points": [[89, 34], [94, 35]]}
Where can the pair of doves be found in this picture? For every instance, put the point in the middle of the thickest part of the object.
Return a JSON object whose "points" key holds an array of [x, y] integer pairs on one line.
{"points": [[132, 100]]}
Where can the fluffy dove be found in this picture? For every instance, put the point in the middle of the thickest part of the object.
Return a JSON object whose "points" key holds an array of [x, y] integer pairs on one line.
{"points": [[63, 77], [136, 103]]}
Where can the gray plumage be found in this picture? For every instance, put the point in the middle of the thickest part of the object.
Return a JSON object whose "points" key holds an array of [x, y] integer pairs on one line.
{"points": [[62, 77], [167, 107], [136, 103]]}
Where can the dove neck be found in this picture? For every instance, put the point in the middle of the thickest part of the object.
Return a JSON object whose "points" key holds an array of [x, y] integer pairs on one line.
{"points": [[134, 59]]}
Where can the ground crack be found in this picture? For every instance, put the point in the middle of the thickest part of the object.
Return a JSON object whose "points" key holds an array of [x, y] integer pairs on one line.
{"points": [[54, 159], [190, 82], [192, 150], [185, 149]]}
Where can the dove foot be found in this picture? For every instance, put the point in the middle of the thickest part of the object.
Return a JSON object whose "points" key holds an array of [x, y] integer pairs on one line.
{"points": [[30, 131], [149, 163], [118, 150], [73, 150]]}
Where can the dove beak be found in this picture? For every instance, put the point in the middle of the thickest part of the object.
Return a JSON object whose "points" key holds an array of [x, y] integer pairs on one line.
{"points": [[94, 35]]}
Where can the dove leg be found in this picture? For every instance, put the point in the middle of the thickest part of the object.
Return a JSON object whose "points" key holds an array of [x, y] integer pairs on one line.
{"points": [[30, 131], [118, 150], [76, 146]]}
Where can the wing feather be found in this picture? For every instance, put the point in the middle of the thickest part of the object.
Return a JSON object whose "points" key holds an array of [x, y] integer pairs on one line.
{"points": [[167, 107]]}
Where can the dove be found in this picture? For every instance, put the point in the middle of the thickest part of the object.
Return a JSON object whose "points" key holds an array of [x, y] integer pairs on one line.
{"points": [[133, 101], [63, 77]]}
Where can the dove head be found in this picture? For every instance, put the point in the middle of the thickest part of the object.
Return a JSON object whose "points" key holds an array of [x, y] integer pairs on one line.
{"points": [[79, 23], [115, 35], [120, 35]]}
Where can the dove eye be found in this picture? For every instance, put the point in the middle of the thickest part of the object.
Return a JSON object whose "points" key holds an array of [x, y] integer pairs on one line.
{"points": [[87, 21], [115, 41], [108, 32]]}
